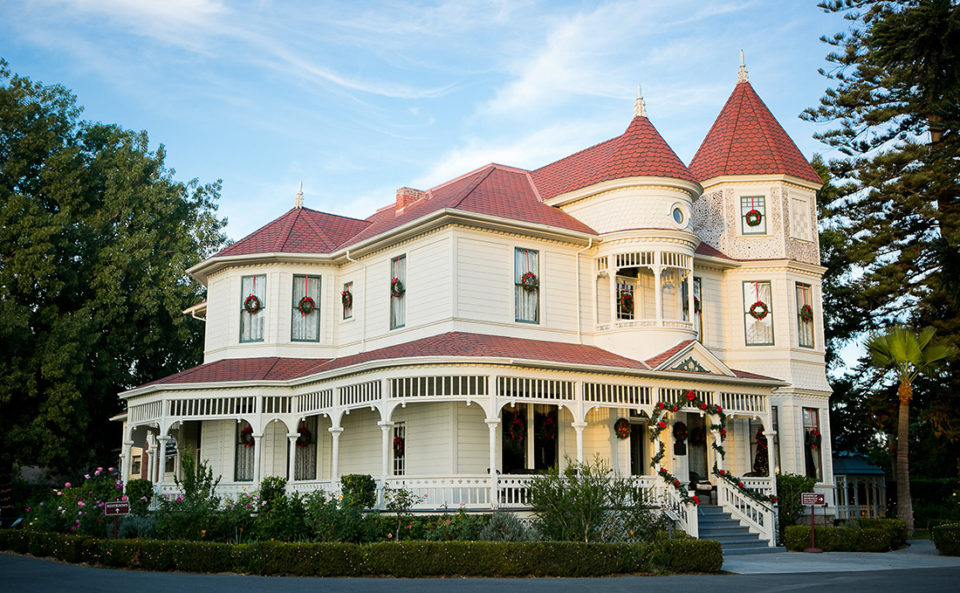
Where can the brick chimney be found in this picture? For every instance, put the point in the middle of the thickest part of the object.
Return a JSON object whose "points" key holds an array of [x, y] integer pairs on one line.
{"points": [[407, 196]]}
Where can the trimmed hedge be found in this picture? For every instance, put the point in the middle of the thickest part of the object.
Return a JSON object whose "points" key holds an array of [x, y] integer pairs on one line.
{"points": [[947, 539], [400, 559], [863, 535]]}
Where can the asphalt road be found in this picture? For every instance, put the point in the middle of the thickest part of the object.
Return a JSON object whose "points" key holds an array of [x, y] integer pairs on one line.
{"points": [[20, 574]]}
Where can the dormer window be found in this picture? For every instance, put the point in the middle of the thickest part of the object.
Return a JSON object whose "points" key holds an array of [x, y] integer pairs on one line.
{"points": [[253, 290], [305, 320], [753, 215]]}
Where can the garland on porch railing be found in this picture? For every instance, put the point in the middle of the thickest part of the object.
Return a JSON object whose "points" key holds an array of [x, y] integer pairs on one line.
{"points": [[658, 424]]}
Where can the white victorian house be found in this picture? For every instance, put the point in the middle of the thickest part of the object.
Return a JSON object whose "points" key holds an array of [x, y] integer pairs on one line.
{"points": [[469, 335]]}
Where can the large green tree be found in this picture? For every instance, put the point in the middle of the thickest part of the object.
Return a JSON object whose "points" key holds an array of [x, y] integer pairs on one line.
{"points": [[95, 238], [893, 211]]}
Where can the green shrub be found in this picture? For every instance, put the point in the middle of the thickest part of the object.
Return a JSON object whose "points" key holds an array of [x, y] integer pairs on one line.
{"points": [[359, 490], [588, 503], [686, 555], [135, 526], [504, 527], [314, 559], [283, 518], [883, 537], [789, 488], [140, 493], [947, 539], [272, 488]]}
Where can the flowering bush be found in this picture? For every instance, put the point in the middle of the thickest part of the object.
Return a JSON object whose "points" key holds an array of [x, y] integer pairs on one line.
{"points": [[77, 507]]}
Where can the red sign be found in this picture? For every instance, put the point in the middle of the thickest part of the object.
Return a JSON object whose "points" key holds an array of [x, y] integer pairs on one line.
{"points": [[112, 509], [812, 499]]}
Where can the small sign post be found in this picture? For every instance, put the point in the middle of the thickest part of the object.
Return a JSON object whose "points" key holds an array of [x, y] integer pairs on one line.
{"points": [[116, 510], [813, 500]]}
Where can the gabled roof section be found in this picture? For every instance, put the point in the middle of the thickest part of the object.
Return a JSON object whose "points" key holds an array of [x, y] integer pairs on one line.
{"points": [[747, 140], [301, 230], [640, 152], [493, 190], [690, 356]]}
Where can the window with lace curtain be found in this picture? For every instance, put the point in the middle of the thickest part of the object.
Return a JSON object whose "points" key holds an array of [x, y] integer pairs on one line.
{"points": [[305, 320], [253, 290], [527, 285], [398, 291], [243, 461], [804, 316], [758, 313]]}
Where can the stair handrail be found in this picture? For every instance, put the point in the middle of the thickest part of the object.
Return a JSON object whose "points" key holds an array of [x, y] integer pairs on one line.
{"points": [[685, 512], [758, 516]]}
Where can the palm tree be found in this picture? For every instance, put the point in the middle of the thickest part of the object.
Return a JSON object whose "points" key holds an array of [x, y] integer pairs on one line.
{"points": [[907, 355]]}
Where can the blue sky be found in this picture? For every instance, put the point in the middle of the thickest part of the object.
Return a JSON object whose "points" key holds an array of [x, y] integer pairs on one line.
{"points": [[360, 98]]}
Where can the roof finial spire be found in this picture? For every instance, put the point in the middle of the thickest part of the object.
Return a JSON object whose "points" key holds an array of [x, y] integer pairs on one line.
{"points": [[639, 107], [742, 73], [298, 203]]}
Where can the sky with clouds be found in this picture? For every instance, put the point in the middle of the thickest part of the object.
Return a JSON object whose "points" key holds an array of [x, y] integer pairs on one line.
{"points": [[360, 98]]}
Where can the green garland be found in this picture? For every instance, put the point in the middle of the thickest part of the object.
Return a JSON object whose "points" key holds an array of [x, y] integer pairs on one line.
{"points": [[658, 424]]}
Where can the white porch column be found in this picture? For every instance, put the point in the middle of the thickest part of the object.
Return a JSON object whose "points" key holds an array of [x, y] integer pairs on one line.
{"points": [[493, 424], [257, 441], [125, 471], [613, 291], [292, 462], [658, 295], [384, 450], [335, 432], [718, 440], [578, 428], [161, 458]]}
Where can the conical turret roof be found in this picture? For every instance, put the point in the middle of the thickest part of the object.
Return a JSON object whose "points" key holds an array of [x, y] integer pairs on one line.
{"points": [[747, 140]]}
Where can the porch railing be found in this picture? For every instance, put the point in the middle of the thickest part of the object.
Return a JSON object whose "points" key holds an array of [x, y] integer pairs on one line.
{"points": [[758, 516]]}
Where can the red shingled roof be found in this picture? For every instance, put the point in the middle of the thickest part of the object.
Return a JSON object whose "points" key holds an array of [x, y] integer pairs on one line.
{"points": [[301, 230], [448, 344], [704, 249], [747, 140], [640, 152], [659, 359]]}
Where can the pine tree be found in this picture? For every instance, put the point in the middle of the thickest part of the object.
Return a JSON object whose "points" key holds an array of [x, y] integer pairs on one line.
{"points": [[894, 206], [95, 238]]}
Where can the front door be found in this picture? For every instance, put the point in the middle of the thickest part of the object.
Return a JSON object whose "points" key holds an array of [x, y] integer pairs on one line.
{"points": [[697, 447]]}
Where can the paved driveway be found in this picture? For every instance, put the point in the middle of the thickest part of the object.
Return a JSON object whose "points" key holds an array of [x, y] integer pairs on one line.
{"points": [[920, 554]]}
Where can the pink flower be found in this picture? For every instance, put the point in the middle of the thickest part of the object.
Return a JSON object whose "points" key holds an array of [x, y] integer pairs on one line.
{"points": [[119, 487], [389, 536], [80, 503], [144, 499], [124, 497], [96, 473], [28, 508], [66, 485], [109, 469], [87, 476], [99, 469], [448, 520], [59, 493], [409, 526]]}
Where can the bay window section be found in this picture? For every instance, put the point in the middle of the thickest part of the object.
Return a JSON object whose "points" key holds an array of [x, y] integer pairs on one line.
{"points": [[398, 292], [253, 290], [758, 313], [527, 285], [305, 320], [804, 316]]}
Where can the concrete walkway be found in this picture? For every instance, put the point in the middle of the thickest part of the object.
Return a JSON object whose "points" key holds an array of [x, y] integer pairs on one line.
{"points": [[920, 554]]}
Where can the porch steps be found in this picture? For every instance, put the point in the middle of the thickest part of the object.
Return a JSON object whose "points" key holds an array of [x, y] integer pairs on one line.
{"points": [[736, 539]]}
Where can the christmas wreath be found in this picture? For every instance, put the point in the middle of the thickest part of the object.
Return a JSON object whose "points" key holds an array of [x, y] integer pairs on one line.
{"points": [[517, 428], [698, 437], [814, 439], [252, 304], [529, 282], [398, 446], [396, 288], [696, 305], [806, 313], [246, 436], [759, 310], [679, 431], [626, 302], [305, 437], [346, 299], [549, 428], [753, 217], [306, 306], [622, 428]]}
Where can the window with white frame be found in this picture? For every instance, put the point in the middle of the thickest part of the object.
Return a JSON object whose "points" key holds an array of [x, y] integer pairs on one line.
{"points": [[758, 313], [812, 444], [527, 285], [243, 460], [698, 307], [305, 457], [804, 316], [253, 290], [753, 215], [305, 321], [398, 291], [801, 217], [399, 448], [626, 304], [346, 300]]}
